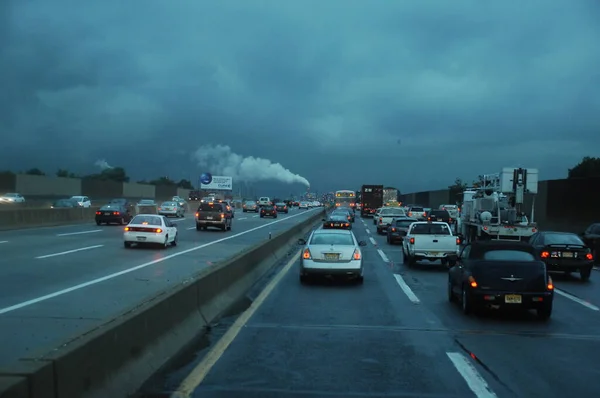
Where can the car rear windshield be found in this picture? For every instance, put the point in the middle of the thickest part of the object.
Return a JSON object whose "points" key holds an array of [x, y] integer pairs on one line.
{"points": [[430, 229], [250, 203], [416, 209], [440, 213], [404, 223], [508, 255], [393, 212], [167, 204], [332, 239], [111, 208], [147, 220], [267, 207], [562, 239], [213, 207]]}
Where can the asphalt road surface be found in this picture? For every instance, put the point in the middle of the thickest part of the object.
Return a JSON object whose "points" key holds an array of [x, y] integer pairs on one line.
{"points": [[398, 336], [57, 282]]}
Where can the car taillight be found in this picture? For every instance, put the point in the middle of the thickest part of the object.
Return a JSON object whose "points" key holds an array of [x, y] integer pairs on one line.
{"points": [[458, 241], [306, 254], [472, 282], [412, 241], [393, 229], [356, 255], [410, 213], [347, 224], [380, 219], [589, 256], [98, 213], [550, 285], [450, 220], [222, 215], [127, 229], [545, 254], [116, 213], [424, 214], [158, 230]]}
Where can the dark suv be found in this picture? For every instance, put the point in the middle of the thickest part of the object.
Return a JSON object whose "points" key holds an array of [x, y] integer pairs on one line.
{"points": [[211, 214]]}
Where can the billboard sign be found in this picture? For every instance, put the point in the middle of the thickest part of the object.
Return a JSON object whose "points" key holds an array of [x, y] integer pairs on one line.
{"points": [[208, 181]]}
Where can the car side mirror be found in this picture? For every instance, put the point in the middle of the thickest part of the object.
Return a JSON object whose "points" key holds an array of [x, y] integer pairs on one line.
{"points": [[362, 243], [301, 242]]}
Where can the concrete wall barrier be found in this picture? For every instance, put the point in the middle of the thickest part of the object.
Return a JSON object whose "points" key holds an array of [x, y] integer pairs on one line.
{"points": [[8, 182], [183, 193], [100, 190], [138, 191], [24, 217], [116, 358], [47, 187]]}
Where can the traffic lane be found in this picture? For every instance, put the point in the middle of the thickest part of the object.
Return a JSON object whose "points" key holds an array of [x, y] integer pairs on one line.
{"points": [[586, 291], [337, 339], [49, 321], [75, 262]]}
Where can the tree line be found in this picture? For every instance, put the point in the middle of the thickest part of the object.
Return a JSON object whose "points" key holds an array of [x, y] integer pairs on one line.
{"points": [[589, 167], [117, 174]]}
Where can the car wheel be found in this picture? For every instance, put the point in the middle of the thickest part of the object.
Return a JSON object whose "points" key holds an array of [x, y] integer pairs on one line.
{"points": [[545, 312], [304, 279], [174, 243], [98, 223], [198, 227], [585, 273], [451, 296], [360, 280], [467, 306], [127, 245], [165, 244], [122, 221]]}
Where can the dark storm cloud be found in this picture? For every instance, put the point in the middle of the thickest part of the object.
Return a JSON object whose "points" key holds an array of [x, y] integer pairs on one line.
{"points": [[449, 88]]}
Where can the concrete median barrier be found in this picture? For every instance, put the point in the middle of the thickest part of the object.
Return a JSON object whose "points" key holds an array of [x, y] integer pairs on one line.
{"points": [[30, 217], [115, 359]]}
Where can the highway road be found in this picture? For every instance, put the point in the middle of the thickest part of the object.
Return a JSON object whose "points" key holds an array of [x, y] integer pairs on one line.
{"points": [[57, 282], [398, 336]]}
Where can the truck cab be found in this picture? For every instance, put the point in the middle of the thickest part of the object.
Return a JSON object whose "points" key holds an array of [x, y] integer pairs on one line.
{"points": [[430, 241]]}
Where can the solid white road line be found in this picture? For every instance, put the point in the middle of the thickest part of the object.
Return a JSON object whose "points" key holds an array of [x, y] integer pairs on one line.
{"points": [[69, 251], [373, 241], [79, 233], [474, 380], [383, 256], [197, 375], [243, 218], [190, 228], [577, 300], [3, 241], [255, 216], [406, 289], [132, 269]]}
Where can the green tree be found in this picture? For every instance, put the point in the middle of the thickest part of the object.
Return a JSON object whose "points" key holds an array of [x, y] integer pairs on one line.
{"points": [[587, 168], [117, 174], [185, 184], [65, 174], [35, 172], [457, 189], [163, 181]]}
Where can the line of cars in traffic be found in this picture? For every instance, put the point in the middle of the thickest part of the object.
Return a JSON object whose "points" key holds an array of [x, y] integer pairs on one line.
{"points": [[491, 273]]}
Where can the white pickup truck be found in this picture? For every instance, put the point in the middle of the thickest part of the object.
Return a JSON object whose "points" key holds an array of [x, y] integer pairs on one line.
{"points": [[426, 240], [385, 217]]}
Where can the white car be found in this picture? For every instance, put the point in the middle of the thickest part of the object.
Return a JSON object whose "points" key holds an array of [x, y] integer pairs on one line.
{"points": [[303, 205], [12, 198], [150, 229], [83, 201], [172, 208], [331, 252]]}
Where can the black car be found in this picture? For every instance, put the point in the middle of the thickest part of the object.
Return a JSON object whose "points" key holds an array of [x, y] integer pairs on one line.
{"points": [[113, 214], [65, 204], [501, 274], [121, 202], [440, 215], [210, 214], [281, 207], [348, 214], [337, 221], [268, 211], [591, 237], [398, 229], [564, 252]]}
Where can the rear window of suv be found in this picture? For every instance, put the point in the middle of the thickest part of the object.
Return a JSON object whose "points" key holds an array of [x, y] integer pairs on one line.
{"points": [[214, 207]]}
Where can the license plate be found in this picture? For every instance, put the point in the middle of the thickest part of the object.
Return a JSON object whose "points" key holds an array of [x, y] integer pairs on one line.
{"points": [[513, 299], [141, 238], [107, 214], [209, 218], [568, 254], [332, 256], [336, 225], [434, 253]]}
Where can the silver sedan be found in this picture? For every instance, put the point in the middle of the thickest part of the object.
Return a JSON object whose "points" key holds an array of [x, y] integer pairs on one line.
{"points": [[331, 252], [171, 209]]}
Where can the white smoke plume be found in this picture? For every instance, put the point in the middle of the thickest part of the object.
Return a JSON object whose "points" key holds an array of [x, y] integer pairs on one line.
{"points": [[103, 164], [220, 160]]}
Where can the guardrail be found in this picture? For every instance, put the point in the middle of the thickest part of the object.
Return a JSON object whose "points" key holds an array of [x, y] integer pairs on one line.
{"points": [[31, 217], [115, 359]]}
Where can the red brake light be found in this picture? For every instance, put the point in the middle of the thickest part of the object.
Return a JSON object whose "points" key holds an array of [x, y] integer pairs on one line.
{"points": [[472, 282], [545, 254], [393, 229], [356, 255], [222, 215], [126, 228], [589, 256], [424, 214], [306, 254], [410, 213], [116, 213], [197, 214], [158, 230], [412, 241], [98, 213], [550, 285], [458, 241]]}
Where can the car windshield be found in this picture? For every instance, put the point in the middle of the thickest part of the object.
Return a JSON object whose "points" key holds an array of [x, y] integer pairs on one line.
{"points": [[167, 204], [416, 209], [250, 203], [404, 223], [337, 217], [508, 255], [562, 239], [215, 207], [146, 201], [10, 195], [114, 201], [340, 214], [147, 220], [267, 207], [63, 202], [332, 239], [110, 208], [430, 229], [280, 204]]}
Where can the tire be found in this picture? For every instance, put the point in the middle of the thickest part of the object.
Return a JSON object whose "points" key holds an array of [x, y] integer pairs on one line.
{"points": [[304, 279], [174, 243], [198, 227], [122, 221], [229, 227], [98, 223], [467, 305], [544, 313], [127, 245], [360, 280], [451, 296], [165, 244], [585, 273]]}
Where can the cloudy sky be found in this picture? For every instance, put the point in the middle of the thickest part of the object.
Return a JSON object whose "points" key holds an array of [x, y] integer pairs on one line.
{"points": [[338, 92]]}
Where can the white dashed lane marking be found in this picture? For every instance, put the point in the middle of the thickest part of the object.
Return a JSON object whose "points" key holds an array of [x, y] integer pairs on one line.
{"points": [[406, 289], [70, 251], [373, 241], [577, 300], [474, 380]]}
